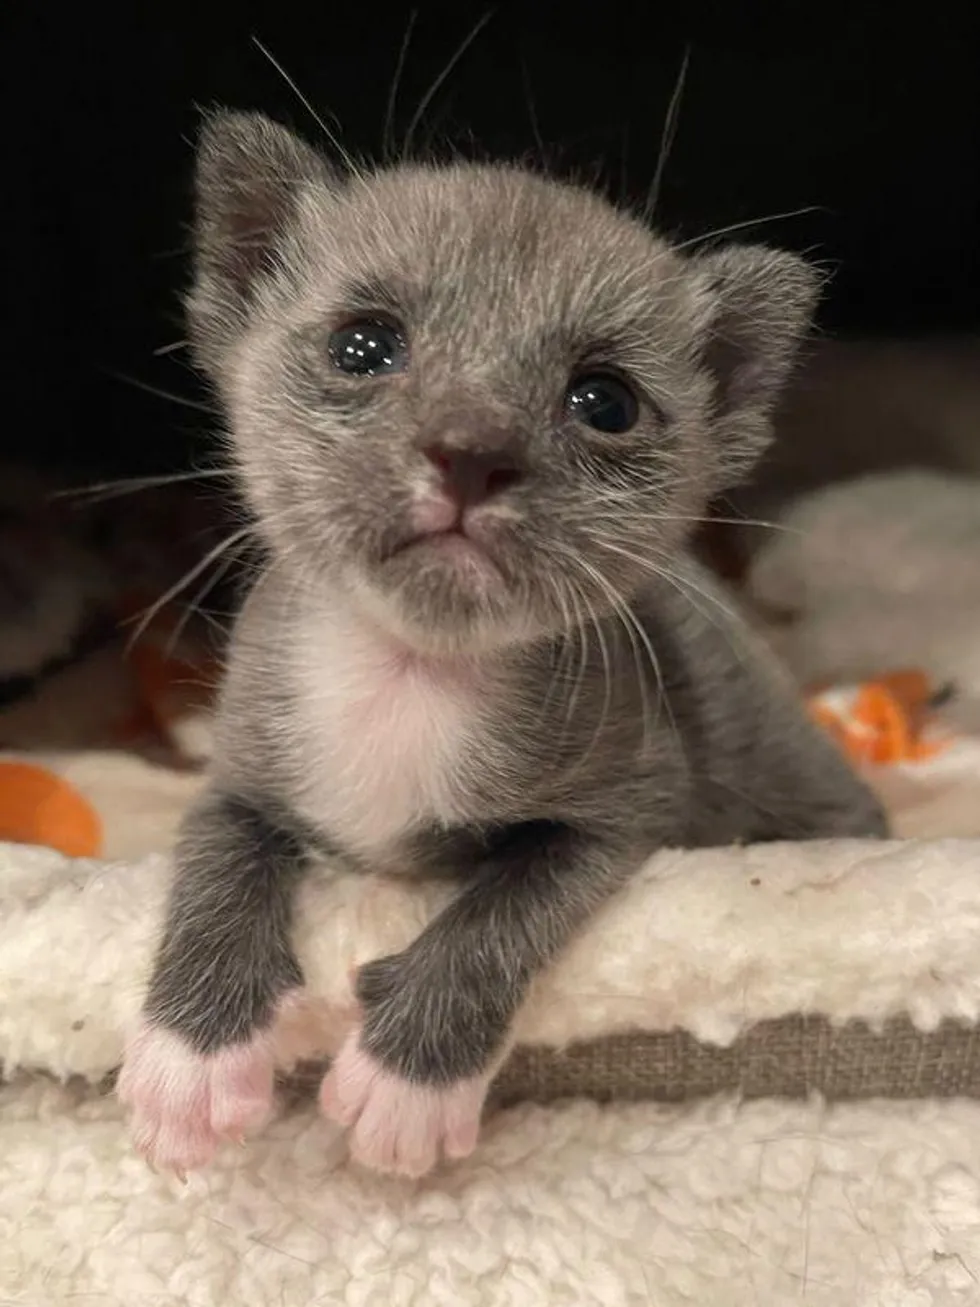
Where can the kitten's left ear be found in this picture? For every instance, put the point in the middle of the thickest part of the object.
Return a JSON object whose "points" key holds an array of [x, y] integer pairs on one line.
{"points": [[757, 305], [250, 180]]}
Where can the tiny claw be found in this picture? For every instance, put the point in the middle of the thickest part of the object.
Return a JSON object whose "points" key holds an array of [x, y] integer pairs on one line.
{"points": [[181, 1175]]}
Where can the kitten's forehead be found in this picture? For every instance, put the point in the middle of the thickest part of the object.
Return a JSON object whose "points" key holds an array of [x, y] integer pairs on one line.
{"points": [[507, 240]]}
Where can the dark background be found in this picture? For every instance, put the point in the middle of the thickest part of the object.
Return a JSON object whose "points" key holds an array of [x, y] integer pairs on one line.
{"points": [[872, 123]]}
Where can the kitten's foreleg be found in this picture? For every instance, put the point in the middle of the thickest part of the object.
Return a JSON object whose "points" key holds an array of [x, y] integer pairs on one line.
{"points": [[411, 1080], [200, 1067]]}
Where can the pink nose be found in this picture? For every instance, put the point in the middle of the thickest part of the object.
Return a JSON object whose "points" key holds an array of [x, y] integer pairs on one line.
{"points": [[472, 476]]}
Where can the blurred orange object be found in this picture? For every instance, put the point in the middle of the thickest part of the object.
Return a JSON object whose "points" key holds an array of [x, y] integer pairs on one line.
{"points": [[38, 807], [883, 721]]}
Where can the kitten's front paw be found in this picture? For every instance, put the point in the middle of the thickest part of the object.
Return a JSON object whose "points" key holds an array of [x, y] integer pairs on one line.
{"points": [[184, 1103], [397, 1125]]}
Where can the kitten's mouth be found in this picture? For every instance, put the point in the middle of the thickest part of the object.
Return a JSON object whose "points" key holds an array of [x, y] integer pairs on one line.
{"points": [[453, 548], [458, 555]]}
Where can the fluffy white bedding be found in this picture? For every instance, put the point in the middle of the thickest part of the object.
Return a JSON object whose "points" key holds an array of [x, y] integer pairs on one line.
{"points": [[710, 941], [760, 1205], [712, 1203]]}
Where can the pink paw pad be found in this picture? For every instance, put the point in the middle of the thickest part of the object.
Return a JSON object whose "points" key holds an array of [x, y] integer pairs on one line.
{"points": [[396, 1125], [184, 1104]]}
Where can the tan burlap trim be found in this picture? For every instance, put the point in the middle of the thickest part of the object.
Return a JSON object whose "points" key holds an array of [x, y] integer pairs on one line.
{"points": [[789, 1058]]}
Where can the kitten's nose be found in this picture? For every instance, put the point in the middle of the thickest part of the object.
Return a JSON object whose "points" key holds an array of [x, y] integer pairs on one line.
{"points": [[471, 476]]}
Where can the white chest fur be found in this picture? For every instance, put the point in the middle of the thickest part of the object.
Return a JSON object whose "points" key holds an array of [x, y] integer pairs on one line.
{"points": [[385, 733]]}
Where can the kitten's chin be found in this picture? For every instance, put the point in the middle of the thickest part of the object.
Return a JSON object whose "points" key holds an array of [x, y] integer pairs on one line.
{"points": [[469, 612]]}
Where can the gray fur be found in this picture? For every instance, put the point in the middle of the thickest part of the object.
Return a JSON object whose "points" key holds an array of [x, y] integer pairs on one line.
{"points": [[622, 707], [238, 864]]}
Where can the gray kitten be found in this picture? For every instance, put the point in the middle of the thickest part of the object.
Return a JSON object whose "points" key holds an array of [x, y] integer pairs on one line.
{"points": [[475, 412]]}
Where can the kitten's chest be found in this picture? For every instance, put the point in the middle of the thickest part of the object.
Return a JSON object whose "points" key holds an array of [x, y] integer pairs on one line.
{"points": [[387, 739]]}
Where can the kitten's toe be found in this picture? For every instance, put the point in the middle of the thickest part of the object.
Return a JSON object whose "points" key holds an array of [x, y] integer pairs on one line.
{"points": [[347, 1085], [241, 1090], [183, 1104], [398, 1126]]}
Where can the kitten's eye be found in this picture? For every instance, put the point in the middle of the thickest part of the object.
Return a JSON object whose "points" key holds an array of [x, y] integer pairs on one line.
{"points": [[603, 402], [366, 348]]}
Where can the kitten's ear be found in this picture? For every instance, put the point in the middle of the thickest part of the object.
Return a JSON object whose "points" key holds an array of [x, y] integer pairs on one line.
{"points": [[250, 177], [758, 306]]}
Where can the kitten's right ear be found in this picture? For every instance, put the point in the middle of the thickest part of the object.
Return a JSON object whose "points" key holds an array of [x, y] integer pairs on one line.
{"points": [[250, 177]]}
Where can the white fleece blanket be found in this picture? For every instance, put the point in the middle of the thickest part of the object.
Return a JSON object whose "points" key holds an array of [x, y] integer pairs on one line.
{"points": [[716, 1203], [711, 941]]}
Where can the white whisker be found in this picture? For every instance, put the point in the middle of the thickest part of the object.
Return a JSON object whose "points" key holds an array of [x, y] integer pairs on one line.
{"points": [[331, 136], [607, 681], [709, 520], [667, 137], [104, 490], [684, 585], [387, 131], [747, 223], [193, 605], [159, 391], [571, 703], [191, 575], [532, 113], [433, 90], [635, 632]]}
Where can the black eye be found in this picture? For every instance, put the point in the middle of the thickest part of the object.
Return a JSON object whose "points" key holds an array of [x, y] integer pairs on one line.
{"points": [[363, 349], [602, 402]]}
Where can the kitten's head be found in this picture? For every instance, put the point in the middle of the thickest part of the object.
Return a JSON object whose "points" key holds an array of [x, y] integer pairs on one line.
{"points": [[478, 402]]}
